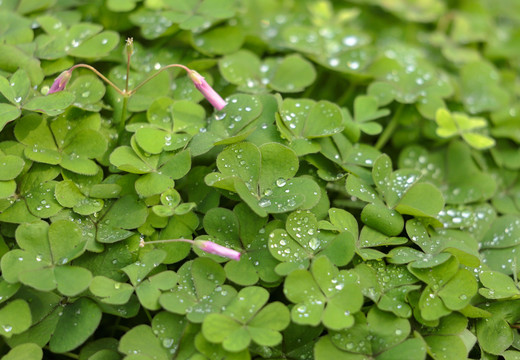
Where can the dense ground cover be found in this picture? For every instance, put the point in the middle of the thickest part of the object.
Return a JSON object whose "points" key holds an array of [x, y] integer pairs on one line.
{"points": [[364, 173]]}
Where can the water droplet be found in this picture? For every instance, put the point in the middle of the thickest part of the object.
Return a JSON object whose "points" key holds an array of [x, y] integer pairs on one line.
{"points": [[281, 182], [264, 203], [7, 328], [314, 243], [334, 62], [167, 342]]}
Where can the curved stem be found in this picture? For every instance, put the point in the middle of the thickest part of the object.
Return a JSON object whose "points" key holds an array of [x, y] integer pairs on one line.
{"points": [[157, 73], [143, 243], [390, 128], [105, 79]]}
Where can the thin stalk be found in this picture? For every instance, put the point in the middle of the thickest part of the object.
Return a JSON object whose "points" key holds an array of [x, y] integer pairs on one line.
{"points": [[157, 73], [390, 128], [100, 75], [127, 71], [148, 315], [67, 354], [347, 94], [166, 241], [123, 113]]}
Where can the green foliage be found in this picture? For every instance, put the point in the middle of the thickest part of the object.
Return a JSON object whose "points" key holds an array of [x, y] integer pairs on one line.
{"points": [[365, 168]]}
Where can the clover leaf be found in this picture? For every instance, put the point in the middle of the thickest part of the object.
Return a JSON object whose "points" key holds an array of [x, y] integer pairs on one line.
{"points": [[341, 156], [401, 190], [461, 124], [147, 288], [481, 93], [159, 171], [170, 125], [365, 111], [235, 122], [435, 247], [216, 351], [289, 74], [189, 16], [15, 318], [387, 285], [377, 333], [444, 169], [10, 167], [449, 288], [142, 341], [76, 324], [497, 285], [53, 143], [246, 319], [323, 295], [409, 79], [500, 242], [301, 240], [85, 40], [200, 291], [301, 120], [264, 178], [243, 230], [44, 249], [331, 42], [118, 217]]}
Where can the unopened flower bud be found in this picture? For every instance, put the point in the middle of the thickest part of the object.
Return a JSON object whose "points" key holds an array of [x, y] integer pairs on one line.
{"points": [[129, 46], [216, 249], [202, 85], [60, 82]]}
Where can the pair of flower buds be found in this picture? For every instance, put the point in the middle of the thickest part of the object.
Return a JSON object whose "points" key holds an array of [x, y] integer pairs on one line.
{"points": [[218, 103], [200, 83]]}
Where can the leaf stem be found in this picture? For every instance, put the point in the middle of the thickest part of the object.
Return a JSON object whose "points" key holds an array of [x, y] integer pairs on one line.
{"points": [[390, 128], [347, 94], [148, 315], [67, 354]]}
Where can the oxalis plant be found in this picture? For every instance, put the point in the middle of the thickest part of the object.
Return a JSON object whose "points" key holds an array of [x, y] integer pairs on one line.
{"points": [[259, 179]]}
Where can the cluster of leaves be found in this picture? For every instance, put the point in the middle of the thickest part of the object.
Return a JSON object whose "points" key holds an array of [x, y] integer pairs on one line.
{"points": [[366, 167]]}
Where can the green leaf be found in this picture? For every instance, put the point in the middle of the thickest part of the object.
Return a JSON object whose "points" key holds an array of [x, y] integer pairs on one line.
{"points": [[141, 340], [52, 104], [414, 202], [498, 285], [15, 318], [27, 351], [78, 322], [309, 119], [8, 113], [481, 93], [200, 291], [250, 171], [72, 280], [220, 40], [110, 291]]}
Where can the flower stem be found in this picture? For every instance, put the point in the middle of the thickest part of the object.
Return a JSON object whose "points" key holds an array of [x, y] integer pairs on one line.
{"points": [[101, 76], [157, 73], [123, 114], [390, 128], [143, 243]]}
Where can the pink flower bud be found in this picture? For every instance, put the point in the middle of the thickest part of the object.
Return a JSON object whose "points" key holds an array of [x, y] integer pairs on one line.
{"points": [[211, 95], [216, 249], [60, 82]]}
